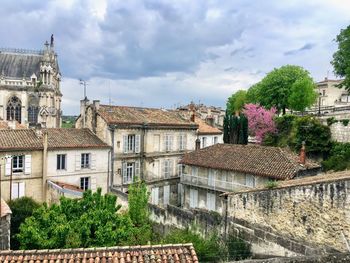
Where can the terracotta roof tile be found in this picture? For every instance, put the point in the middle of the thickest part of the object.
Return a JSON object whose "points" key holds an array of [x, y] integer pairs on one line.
{"points": [[273, 162], [138, 116], [159, 253], [204, 128], [29, 139], [5, 125]]}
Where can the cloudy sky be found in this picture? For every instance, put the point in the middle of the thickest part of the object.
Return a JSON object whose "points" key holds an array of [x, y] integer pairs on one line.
{"points": [[164, 53]]}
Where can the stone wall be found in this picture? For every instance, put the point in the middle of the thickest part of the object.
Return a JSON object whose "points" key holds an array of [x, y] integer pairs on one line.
{"points": [[315, 213], [340, 133]]}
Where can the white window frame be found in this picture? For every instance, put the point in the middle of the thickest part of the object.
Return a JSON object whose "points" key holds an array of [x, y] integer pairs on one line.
{"points": [[168, 142], [59, 158], [17, 167], [211, 201], [84, 181], [215, 139], [182, 142], [131, 139], [85, 161], [17, 190], [204, 142], [193, 198]]}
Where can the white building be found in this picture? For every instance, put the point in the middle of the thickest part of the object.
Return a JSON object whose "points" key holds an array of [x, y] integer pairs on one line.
{"points": [[45, 164], [330, 95], [30, 86], [207, 134]]}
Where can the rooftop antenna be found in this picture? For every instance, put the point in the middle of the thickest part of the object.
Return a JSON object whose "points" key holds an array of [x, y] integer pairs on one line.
{"points": [[84, 83]]}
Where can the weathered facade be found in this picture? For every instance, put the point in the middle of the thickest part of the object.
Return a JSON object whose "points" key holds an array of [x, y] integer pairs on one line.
{"points": [[5, 225], [330, 95], [30, 86], [45, 164], [147, 143], [220, 168], [208, 134]]}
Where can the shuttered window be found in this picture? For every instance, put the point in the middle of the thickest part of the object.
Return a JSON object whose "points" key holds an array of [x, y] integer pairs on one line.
{"points": [[18, 164], [61, 162]]}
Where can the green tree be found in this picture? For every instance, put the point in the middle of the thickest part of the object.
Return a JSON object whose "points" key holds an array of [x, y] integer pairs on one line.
{"points": [[339, 157], [21, 209], [275, 88], [341, 58], [235, 128], [253, 94], [138, 212], [236, 101], [87, 222], [302, 94]]}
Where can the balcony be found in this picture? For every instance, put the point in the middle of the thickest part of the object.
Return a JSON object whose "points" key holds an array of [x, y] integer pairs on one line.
{"points": [[212, 184]]}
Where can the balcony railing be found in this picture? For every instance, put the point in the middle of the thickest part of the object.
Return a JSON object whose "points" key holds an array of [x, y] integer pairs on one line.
{"points": [[213, 184]]}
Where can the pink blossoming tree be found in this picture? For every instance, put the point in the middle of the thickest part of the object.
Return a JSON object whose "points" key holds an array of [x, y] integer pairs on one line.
{"points": [[260, 120]]}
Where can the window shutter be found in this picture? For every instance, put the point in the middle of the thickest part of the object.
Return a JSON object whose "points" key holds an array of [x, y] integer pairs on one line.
{"points": [[21, 189], [166, 194], [125, 143], [93, 161], [8, 166], [137, 168], [137, 143], [14, 190], [165, 138], [184, 142], [155, 196], [28, 164], [163, 168], [211, 201], [124, 172], [93, 184], [77, 162], [171, 167], [171, 139], [179, 140]]}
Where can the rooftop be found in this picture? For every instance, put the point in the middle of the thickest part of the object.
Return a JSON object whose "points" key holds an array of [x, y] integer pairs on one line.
{"points": [[30, 139], [266, 161], [179, 253], [5, 209], [137, 116], [204, 128]]}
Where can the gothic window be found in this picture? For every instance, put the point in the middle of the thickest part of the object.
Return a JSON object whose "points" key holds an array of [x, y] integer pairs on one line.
{"points": [[13, 110], [33, 112]]}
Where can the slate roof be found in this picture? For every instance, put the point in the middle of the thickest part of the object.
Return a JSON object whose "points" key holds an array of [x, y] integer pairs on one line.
{"points": [[17, 65], [28, 139], [204, 128], [125, 115], [180, 253], [272, 162]]}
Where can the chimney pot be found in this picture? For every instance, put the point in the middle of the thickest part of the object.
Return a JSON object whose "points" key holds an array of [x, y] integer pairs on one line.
{"points": [[302, 157]]}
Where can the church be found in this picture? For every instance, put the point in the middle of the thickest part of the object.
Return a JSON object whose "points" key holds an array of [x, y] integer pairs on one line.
{"points": [[30, 87]]}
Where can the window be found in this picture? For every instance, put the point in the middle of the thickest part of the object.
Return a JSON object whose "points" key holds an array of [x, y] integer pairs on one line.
{"points": [[61, 162], [17, 190], [33, 114], [85, 183], [215, 140], [211, 201], [17, 164], [250, 180], [168, 168], [194, 171], [13, 109], [155, 196], [193, 198], [129, 172], [85, 160], [180, 169], [204, 142], [182, 142], [211, 177], [130, 169], [131, 143], [323, 92], [168, 142]]}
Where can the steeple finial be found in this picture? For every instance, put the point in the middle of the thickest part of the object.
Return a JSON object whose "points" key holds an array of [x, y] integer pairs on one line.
{"points": [[52, 40]]}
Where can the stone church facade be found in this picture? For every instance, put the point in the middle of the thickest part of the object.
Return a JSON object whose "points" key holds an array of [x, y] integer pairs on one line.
{"points": [[30, 86]]}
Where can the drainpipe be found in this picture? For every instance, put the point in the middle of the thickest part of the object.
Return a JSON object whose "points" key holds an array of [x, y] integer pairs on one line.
{"points": [[45, 164], [108, 175], [226, 215], [142, 149], [112, 157]]}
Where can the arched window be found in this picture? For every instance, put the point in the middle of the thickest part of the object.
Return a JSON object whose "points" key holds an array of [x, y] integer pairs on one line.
{"points": [[13, 110], [33, 112]]}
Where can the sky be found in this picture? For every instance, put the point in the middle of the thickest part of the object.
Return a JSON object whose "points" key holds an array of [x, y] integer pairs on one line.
{"points": [[156, 53]]}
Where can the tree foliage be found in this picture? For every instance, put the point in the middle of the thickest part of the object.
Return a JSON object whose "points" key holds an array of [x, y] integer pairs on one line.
{"points": [[260, 120], [235, 129], [339, 157], [302, 94], [236, 101], [21, 208], [276, 88], [87, 222], [138, 212], [341, 58]]}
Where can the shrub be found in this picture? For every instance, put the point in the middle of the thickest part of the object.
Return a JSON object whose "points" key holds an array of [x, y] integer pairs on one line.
{"points": [[331, 120], [271, 184], [345, 122], [21, 209], [339, 157]]}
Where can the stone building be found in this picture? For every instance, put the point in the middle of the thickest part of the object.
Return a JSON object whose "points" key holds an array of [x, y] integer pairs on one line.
{"points": [[146, 143], [209, 172], [5, 225], [45, 164], [330, 95], [207, 134], [30, 86]]}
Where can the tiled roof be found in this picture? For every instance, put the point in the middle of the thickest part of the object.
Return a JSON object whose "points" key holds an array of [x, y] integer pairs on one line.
{"points": [[138, 116], [5, 209], [21, 139], [181, 253], [68, 186], [272, 162], [73, 138], [28, 139], [204, 128]]}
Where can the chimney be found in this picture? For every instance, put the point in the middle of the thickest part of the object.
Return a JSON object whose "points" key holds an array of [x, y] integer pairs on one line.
{"points": [[198, 144], [302, 157], [83, 105], [96, 104], [193, 116]]}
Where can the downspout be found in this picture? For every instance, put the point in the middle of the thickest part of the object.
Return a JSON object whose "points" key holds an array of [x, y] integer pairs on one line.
{"points": [[226, 215], [142, 150], [45, 165], [108, 175], [112, 157]]}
